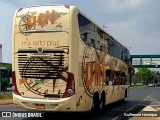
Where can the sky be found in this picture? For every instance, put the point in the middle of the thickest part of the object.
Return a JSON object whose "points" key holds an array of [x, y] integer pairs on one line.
{"points": [[134, 23]]}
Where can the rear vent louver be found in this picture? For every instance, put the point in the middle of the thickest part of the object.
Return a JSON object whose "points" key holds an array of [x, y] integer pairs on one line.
{"points": [[48, 64]]}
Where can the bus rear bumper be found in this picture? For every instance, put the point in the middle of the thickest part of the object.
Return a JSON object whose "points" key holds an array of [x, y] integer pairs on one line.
{"points": [[65, 104]]}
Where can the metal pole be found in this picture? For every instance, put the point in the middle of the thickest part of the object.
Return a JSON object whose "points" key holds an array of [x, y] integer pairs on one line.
{"points": [[131, 73], [141, 68], [0, 80]]}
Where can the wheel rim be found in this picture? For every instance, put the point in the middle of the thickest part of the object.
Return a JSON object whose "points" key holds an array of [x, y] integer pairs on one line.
{"points": [[101, 104], [93, 104]]}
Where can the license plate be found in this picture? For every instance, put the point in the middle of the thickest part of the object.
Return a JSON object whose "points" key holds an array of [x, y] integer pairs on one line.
{"points": [[40, 106]]}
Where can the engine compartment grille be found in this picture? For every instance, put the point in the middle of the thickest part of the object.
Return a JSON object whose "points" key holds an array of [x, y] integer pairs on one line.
{"points": [[34, 65]]}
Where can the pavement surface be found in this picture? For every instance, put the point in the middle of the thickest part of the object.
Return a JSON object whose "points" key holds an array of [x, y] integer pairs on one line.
{"points": [[151, 109]]}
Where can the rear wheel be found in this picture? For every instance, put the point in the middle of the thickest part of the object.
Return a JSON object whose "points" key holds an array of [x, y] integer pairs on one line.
{"points": [[125, 93], [125, 96], [102, 102], [96, 102]]}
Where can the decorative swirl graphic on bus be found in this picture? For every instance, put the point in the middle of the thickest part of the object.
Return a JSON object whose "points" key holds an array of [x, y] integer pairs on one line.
{"points": [[93, 71], [43, 75], [24, 27]]}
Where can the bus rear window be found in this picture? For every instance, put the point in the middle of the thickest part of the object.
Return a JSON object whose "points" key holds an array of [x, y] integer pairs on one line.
{"points": [[48, 20]]}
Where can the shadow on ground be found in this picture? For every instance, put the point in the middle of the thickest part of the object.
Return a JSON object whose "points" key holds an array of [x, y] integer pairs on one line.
{"points": [[110, 111]]}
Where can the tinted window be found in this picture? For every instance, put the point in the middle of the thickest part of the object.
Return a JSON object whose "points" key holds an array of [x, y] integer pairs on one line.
{"points": [[95, 37]]}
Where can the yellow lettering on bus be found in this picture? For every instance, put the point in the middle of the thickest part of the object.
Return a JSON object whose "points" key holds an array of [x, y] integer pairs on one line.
{"points": [[31, 21], [94, 73], [40, 19], [52, 17], [96, 69]]}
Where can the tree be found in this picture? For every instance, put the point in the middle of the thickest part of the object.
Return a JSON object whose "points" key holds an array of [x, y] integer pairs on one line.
{"points": [[6, 65], [156, 76], [145, 75]]}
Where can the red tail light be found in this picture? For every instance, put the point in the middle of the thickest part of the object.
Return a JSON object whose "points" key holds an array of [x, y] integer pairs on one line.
{"points": [[70, 88], [14, 85]]}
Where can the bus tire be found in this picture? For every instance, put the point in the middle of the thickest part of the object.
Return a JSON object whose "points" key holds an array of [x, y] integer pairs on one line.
{"points": [[102, 101], [95, 102], [125, 95]]}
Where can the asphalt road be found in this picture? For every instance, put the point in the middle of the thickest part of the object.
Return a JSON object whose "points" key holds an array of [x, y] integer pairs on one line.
{"points": [[137, 100]]}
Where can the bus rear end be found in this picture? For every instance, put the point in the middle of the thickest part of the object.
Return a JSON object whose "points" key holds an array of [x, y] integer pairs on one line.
{"points": [[40, 45]]}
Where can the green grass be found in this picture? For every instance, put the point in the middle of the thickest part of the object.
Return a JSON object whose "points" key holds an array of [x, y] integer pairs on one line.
{"points": [[6, 96]]}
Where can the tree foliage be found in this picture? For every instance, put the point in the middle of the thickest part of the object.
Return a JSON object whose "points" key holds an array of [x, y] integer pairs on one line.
{"points": [[145, 75], [6, 66]]}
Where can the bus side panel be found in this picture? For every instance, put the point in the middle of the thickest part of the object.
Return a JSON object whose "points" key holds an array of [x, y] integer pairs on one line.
{"points": [[82, 102], [74, 55]]}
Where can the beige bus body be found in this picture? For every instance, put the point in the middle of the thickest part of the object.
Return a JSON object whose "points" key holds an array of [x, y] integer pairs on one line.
{"points": [[54, 69]]}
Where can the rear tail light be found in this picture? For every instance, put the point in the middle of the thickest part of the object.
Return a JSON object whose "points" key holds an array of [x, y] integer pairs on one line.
{"points": [[70, 88], [14, 85]]}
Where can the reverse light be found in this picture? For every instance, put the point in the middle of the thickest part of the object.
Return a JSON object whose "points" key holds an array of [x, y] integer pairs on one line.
{"points": [[70, 91], [14, 85], [70, 88]]}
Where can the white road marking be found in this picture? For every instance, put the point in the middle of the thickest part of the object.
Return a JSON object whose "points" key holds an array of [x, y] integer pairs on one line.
{"points": [[131, 108]]}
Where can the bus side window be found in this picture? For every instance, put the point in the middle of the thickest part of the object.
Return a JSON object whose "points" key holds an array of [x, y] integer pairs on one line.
{"points": [[123, 78], [107, 76], [119, 78], [111, 77], [116, 78]]}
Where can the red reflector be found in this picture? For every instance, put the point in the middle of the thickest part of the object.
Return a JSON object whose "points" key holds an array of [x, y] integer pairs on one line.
{"points": [[20, 9], [14, 85], [67, 6]]}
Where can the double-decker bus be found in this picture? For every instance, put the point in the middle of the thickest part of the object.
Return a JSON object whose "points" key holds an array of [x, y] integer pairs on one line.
{"points": [[63, 61]]}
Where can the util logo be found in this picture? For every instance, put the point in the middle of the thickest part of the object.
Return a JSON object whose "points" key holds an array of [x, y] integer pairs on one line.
{"points": [[41, 19]]}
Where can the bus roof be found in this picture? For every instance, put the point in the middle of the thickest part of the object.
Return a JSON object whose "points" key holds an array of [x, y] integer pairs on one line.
{"points": [[111, 37], [49, 5], [70, 6]]}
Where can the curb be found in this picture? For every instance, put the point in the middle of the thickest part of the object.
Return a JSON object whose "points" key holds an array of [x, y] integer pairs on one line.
{"points": [[6, 102]]}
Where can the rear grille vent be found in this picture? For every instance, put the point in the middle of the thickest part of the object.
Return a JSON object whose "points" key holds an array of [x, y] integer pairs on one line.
{"points": [[41, 67]]}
